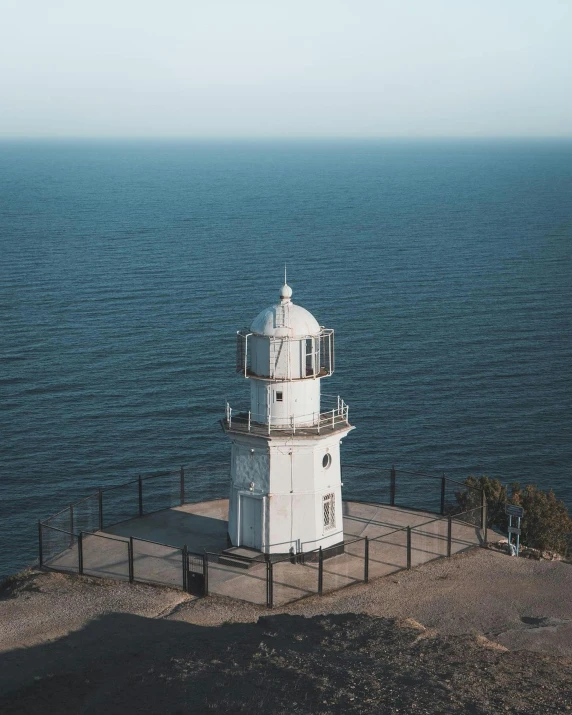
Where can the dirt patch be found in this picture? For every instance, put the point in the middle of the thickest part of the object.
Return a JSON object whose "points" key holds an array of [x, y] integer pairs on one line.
{"points": [[280, 664], [479, 633]]}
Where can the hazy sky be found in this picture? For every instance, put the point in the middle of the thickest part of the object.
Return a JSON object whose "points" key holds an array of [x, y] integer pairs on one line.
{"points": [[260, 68]]}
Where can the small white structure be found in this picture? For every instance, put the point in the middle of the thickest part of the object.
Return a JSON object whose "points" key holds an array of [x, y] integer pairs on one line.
{"points": [[285, 493]]}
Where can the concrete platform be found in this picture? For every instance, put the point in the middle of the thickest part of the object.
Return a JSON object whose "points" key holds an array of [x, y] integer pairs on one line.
{"points": [[202, 527], [158, 539]]}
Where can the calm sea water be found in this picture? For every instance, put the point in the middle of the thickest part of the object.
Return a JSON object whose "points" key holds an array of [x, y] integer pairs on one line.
{"points": [[126, 268]]}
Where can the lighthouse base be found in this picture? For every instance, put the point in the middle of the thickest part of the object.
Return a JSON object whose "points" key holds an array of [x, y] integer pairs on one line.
{"points": [[243, 557], [286, 493], [328, 553]]}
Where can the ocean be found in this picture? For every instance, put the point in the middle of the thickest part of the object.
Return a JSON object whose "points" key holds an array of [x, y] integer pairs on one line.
{"points": [[127, 267]]}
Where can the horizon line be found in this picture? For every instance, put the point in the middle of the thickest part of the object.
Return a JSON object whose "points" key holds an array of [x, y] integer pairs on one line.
{"points": [[283, 137]]}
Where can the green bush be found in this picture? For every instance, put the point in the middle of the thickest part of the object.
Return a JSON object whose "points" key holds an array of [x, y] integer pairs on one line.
{"points": [[496, 496], [546, 524]]}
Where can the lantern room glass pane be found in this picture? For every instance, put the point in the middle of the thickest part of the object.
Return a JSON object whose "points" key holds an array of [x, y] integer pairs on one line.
{"points": [[309, 356], [326, 352]]}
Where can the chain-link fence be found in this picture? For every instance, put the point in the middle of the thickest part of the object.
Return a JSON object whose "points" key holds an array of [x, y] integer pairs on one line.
{"points": [[157, 563], [247, 582], [162, 491], [361, 480], [429, 541], [409, 490], [120, 503], [64, 536], [62, 521], [104, 556], [388, 553], [468, 529], [58, 548], [72, 540], [345, 568], [293, 580], [87, 514]]}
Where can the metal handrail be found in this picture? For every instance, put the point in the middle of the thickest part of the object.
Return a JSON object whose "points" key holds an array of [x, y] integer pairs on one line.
{"points": [[314, 420]]}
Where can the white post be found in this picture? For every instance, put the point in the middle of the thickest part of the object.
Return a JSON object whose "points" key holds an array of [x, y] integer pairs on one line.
{"points": [[249, 420]]}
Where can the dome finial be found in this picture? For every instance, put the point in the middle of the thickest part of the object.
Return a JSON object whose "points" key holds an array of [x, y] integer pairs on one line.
{"points": [[285, 291]]}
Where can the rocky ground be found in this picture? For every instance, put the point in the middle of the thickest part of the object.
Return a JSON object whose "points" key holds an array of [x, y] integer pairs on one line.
{"points": [[479, 633]]}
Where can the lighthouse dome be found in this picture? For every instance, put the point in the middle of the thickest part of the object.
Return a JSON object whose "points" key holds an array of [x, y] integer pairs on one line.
{"points": [[285, 319]]}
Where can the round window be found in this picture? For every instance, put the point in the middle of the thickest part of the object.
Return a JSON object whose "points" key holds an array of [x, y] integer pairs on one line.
{"points": [[327, 460]]}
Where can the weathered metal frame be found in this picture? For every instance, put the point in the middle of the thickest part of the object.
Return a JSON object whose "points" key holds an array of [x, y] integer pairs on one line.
{"points": [[323, 355]]}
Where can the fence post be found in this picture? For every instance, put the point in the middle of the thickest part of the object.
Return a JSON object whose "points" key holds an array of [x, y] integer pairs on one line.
{"points": [[392, 486], [484, 525], [185, 553], [80, 553], [320, 572], [206, 574], [408, 547], [443, 480], [140, 496], [71, 524], [269, 585], [40, 545], [182, 486], [366, 561], [100, 500], [130, 557], [449, 534]]}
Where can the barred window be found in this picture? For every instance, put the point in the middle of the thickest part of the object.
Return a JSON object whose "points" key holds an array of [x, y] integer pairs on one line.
{"points": [[329, 512]]}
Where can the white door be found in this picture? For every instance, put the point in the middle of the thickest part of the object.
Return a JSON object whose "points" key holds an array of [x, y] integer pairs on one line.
{"points": [[250, 522]]}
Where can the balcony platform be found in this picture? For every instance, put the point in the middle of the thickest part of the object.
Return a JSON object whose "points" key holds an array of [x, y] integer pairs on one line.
{"points": [[241, 424]]}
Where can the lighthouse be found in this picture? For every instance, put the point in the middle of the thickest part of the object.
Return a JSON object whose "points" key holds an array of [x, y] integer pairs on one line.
{"points": [[286, 486]]}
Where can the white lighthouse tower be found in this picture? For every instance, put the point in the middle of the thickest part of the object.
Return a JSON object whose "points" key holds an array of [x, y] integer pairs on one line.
{"points": [[285, 493]]}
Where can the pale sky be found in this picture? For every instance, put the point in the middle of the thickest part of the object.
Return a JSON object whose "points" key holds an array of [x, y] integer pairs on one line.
{"points": [[295, 68]]}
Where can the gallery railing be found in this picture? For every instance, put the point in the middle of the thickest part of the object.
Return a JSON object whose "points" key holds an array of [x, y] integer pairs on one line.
{"points": [[312, 423]]}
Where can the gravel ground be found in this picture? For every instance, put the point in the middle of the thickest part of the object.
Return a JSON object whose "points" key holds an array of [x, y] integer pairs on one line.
{"points": [[496, 637], [518, 602], [36, 607]]}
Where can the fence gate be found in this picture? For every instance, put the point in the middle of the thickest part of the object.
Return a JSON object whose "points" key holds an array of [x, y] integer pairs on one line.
{"points": [[195, 575]]}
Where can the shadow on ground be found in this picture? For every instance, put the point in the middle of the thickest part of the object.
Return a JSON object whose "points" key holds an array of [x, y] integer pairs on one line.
{"points": [[327, 664]]}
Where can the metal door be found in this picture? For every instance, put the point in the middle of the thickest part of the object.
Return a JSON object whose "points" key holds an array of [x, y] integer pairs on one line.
{"points": [[250, 522], [195, 575]]}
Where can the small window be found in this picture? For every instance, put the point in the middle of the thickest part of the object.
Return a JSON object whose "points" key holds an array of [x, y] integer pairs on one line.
{"points": [[279, 396], [329, 512], [327, 460]]}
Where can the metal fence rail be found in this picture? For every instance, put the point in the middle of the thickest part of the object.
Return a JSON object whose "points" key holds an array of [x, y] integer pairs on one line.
{"points": [[57, 548], [71, 540], [408, 489], [153, 562], [104, 556]]}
